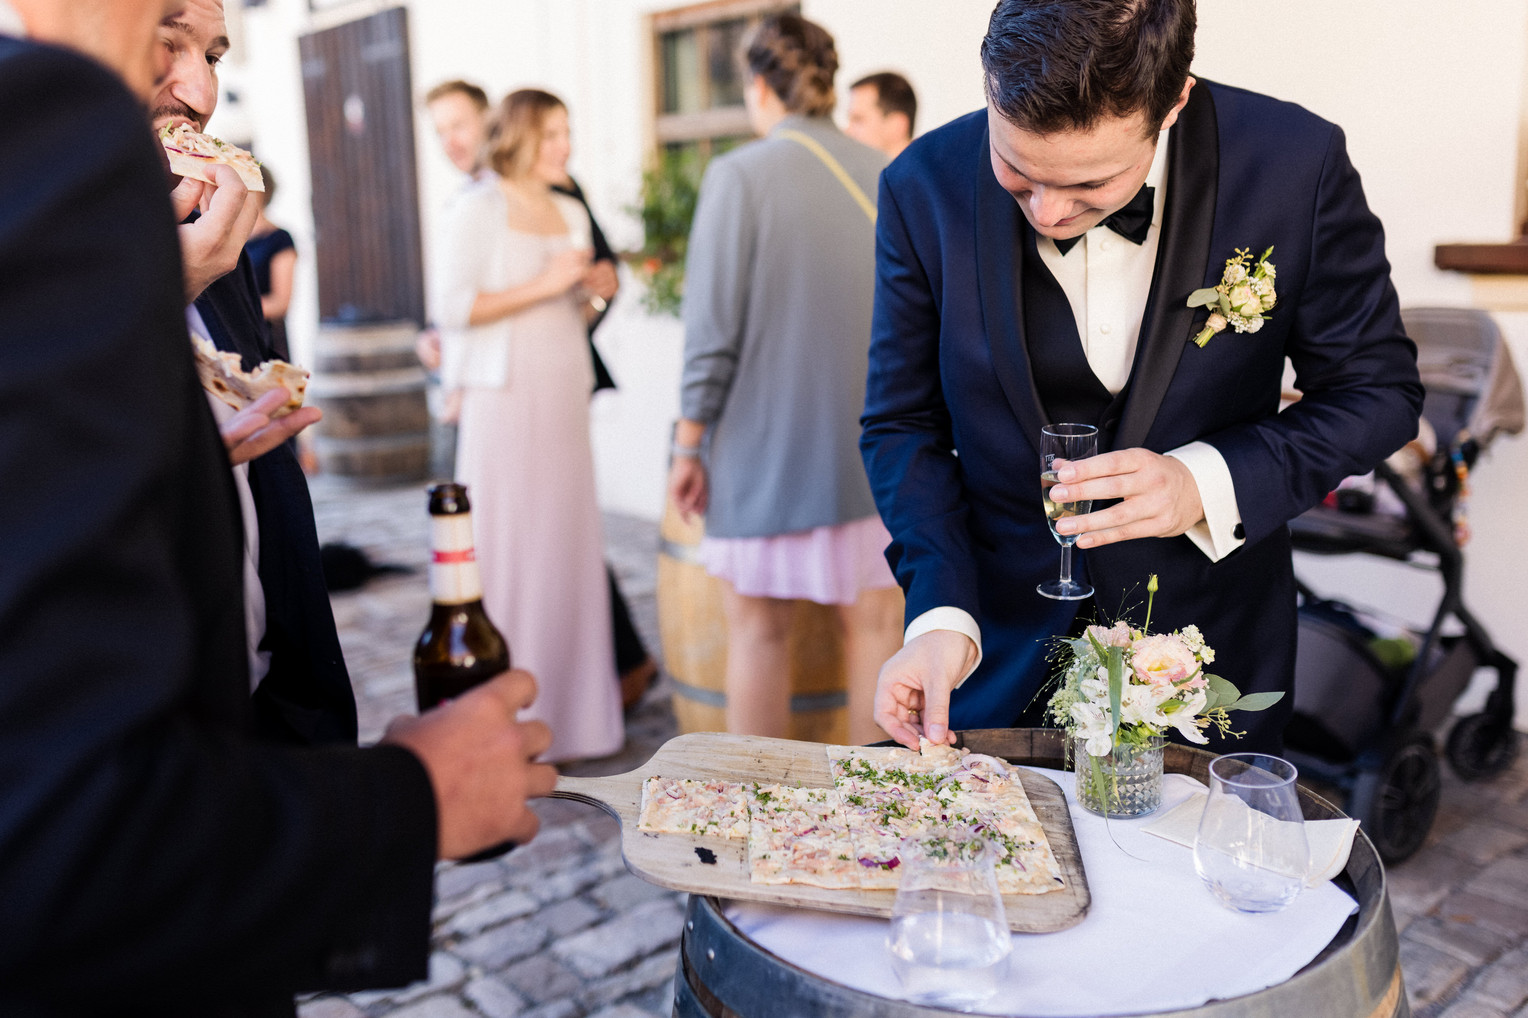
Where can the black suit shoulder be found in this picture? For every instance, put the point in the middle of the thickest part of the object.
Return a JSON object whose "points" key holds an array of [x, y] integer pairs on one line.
{"points": [[1278, 132], [76, 152], [946, 149]]}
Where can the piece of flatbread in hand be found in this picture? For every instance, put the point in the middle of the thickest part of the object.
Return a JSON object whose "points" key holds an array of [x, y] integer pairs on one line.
{"points": [[223, 375], [191, 153]]}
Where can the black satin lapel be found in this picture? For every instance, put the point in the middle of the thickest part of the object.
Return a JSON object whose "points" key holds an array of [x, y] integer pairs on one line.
{"points": [[998, 234], [1188, 219]]}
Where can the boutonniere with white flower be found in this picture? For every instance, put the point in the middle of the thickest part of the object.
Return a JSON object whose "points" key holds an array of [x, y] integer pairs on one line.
{"points": [[1243, 298]]}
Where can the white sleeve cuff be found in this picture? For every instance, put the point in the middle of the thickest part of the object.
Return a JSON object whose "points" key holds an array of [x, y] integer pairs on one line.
{"points": [[1216, 534], [957, 620]]}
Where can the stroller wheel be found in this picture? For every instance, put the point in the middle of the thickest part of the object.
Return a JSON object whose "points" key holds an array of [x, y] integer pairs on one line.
{"points": [[1481, 746], [1396, 803]]}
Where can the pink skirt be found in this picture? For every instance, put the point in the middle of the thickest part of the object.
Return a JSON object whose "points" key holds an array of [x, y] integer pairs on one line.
{"points": [[829, 565]]}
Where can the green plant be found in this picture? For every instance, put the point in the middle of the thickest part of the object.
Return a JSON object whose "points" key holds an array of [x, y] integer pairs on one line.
{"points": [[667, 208]]}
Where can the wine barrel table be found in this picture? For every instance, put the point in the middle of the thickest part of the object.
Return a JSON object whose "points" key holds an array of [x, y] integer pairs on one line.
{"points": [[693, 630], [368, 381], [724, 974]]}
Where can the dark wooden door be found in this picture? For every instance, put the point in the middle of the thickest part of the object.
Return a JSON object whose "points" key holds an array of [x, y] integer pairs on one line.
{"points": [[359, 101]]}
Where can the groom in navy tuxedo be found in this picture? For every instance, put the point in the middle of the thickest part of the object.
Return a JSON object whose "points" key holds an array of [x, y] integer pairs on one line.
{"points": [[1034, 262]]}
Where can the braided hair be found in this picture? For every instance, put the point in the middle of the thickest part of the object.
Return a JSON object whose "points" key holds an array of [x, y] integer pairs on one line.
{"points": [[797, 58]]}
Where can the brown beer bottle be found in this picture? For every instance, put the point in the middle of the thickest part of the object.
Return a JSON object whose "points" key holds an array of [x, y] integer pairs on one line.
{"points": [[460, 647]]}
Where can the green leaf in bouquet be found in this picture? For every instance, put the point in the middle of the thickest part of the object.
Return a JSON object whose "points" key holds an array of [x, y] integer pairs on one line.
{"points": [[1219, 692], [1203, 298], [1256, 701], [1116, 666]]}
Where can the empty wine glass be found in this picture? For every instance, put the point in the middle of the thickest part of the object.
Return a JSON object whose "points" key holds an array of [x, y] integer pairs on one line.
{"points": [[1251, 850], [1064, 442], [949, 937]]}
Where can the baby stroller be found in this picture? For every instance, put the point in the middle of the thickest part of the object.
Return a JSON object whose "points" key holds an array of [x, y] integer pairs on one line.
{"points": [[1367, 703]]}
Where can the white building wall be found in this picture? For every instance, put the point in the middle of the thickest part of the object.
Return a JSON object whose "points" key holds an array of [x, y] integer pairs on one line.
{"points": [[1431, 106]]}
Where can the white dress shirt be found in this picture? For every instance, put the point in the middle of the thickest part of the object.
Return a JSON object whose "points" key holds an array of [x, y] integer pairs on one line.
{"points": [[254, 593], [10, 21], [1107, 280]]}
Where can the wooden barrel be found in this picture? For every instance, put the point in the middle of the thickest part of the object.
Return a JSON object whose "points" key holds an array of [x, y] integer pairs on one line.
{"points": [[370, 385], [1358, 975], [694, 634]]}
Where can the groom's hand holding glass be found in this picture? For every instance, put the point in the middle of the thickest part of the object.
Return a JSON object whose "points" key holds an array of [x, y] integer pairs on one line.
{"points": [[1158, 497]]}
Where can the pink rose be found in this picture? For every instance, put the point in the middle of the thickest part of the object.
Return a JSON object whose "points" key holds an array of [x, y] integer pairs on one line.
{"points": [[1117, 635], [1162, 659]]}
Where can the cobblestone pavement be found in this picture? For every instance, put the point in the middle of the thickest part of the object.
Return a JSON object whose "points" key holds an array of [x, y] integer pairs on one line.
{"points": [[559, 929]]}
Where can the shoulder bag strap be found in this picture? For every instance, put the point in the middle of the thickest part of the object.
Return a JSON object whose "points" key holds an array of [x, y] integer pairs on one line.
{"points": [[813, 146]]}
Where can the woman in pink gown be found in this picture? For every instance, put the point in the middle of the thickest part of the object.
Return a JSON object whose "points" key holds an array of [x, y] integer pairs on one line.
{"points": [[511, 301]]}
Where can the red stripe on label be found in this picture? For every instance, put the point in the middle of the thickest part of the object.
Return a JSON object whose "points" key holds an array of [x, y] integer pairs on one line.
{"points": [[454, 558]]}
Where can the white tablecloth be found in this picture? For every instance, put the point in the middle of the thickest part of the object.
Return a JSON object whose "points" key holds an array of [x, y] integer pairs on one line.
{"points": [[1153, 940]]}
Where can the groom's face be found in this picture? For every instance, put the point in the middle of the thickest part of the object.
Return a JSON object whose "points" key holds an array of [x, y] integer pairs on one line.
{"points": [[1068, 182]]}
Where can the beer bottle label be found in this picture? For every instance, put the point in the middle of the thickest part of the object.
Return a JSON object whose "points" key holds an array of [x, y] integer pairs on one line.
{"points": [[453, 563]]}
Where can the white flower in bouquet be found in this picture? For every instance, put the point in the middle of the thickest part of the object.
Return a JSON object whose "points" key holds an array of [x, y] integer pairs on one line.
{"points": [[1186, 718], [1091, 723]]}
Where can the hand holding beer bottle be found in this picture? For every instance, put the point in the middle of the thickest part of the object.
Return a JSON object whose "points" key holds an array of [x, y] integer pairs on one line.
{"points": [[469, 737]]}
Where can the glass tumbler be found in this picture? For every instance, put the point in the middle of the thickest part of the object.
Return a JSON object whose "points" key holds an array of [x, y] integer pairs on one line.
{"points": [[949, 938], [1251, 851]]}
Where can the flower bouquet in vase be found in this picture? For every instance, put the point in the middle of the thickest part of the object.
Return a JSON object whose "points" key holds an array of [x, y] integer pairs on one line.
{"points": [[1120, 691]]}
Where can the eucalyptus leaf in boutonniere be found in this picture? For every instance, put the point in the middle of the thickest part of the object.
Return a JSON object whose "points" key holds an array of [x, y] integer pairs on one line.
{"points": [[1243, 298]]}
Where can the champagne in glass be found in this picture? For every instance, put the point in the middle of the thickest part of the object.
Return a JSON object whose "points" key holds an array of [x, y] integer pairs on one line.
{"points": [[1060, 510], [1064, 442]]}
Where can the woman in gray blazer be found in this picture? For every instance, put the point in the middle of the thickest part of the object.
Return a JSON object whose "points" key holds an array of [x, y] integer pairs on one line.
{"points": [[778, 292]]}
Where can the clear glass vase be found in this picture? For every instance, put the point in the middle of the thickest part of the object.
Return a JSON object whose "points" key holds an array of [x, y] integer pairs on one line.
{"points": [[1127, 785]]}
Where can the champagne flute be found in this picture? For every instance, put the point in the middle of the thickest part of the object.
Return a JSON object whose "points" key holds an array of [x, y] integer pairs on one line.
{"points": [[1064, 442]]}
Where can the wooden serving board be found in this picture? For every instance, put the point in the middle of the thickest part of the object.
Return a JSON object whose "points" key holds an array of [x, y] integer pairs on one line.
{"points": [[680, 861]]}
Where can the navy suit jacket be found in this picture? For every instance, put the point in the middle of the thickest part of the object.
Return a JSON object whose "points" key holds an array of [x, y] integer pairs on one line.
{"points": [[155, 857], [305, 697], [952, 414]]}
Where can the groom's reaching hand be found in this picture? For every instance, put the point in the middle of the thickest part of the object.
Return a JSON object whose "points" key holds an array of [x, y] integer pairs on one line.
{"points": [[912, 695]]}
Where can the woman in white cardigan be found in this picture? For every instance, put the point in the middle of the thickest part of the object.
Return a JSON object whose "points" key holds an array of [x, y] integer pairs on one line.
{"points": [[511, 302]]}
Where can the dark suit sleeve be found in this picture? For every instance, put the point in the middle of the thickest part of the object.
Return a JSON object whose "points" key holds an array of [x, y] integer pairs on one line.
{"points": [[906, 437], [151, 854], [1355, 367]]}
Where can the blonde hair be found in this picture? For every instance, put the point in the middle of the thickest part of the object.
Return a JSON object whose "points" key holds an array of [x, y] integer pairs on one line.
{"points": [[797, 58], [516, 130]]}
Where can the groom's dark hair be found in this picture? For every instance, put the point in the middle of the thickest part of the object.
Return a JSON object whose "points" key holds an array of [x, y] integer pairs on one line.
{"points": [[1059, 65]]}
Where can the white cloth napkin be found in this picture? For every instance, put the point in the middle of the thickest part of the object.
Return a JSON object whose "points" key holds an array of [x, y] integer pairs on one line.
{"points": [[1153, 940], [1329, 841]]}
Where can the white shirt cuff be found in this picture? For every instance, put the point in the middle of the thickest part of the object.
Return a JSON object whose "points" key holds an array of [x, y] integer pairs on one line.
{"points": [[1215, 535], [957, 620]]}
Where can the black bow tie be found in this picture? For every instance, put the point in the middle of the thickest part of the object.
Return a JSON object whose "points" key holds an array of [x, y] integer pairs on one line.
{"points": [[1132, 222]]}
